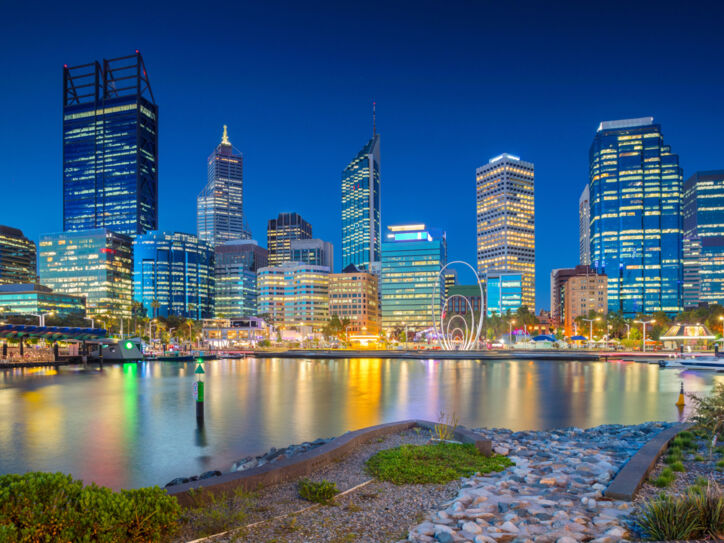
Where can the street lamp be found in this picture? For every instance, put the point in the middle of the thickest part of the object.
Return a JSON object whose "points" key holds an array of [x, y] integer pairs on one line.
{"points": [[645, 323], [721, 318], [41, 317], [404, 324], [510, 332], [590, 338]]}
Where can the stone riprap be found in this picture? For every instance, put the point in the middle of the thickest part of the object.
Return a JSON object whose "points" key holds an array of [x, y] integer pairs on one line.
{"points": [[275, 454], [553, 494]]}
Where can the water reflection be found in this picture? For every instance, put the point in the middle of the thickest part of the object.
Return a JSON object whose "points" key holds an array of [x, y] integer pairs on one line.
{"points": [[135, 424]]}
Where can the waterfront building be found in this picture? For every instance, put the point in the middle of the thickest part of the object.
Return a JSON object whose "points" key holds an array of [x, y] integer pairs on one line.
{"points": [[506, 220], [110, 147], [463, 297], [174, 272], [353, 295], [504, 293], [581, 295], [294, 295], [220, 205], [584, 227], [235, 266], [559, 277], [17, 257], [280, 233], [96, 264], [234, 333], [703, 222], [412, 257], [313, 251], [636, 226], [361, 232], [32, 298]]}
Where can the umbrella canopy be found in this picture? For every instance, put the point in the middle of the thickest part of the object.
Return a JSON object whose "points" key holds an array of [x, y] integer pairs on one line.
{"points": [[579, 338], [544, 337]]}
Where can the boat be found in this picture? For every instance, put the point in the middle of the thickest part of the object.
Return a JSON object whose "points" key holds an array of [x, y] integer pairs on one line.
{"points": [[713, 363]]}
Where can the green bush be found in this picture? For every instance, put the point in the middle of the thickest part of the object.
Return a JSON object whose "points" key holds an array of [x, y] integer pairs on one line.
{"points": [[665, 478], [321, 492], [709, 504], [53, 507], [211, 513], [666, 518], [678, 466]]}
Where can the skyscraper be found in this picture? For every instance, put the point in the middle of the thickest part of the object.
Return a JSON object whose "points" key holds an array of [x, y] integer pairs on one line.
{"points": [[506, 220], [636, 227], [703, 211], [279, 235], [110, 147], [235, 269], [313, 251], [17, 257], [294, 294], [220, 205], [584, 228], [361, 236]]}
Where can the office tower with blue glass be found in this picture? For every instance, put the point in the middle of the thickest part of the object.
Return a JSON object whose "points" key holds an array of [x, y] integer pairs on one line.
{"points": [[504, 293], [235, 266], [636, 222], [703, 211], [110, 147], [17, 257], [281, 232], [220, 205]]}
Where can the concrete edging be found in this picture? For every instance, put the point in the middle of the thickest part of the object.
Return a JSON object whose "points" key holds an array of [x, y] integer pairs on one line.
{"points": [[632, 475], [306, 463]]}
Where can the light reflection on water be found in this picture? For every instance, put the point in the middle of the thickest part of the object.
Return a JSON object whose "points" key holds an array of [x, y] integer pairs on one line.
{"points": [[135, 425]]}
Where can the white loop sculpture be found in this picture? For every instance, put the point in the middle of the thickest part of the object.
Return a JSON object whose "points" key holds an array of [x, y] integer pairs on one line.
{"points": [[462, 339]]}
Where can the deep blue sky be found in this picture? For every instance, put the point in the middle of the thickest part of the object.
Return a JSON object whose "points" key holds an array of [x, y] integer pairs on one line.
{"points": [[456, 83]]}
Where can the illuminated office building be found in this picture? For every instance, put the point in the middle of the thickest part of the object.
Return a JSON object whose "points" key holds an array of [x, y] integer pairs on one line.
{"points": [[279, 235], [361, 234], [176, 271], [463, 298], [504, 293], [236, 264], [96, 264], [32, 298], [581, 295], [220, 206], [636, 226], [110, 147], [451, 279], [584, 228], [412, 257], [703, 222], [294, 295], [506, 221], [17, 257], [313, 251], [353, 295]]}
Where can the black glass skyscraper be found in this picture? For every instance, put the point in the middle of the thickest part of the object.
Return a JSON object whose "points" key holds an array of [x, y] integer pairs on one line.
{"points": [[110, 147]]}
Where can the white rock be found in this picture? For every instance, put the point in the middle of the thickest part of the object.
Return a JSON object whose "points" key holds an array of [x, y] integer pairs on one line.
{"points": [[503, 451], [509, 527]]}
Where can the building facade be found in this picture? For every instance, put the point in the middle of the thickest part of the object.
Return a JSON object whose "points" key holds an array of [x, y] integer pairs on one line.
{"points": [[18, 257], [584, 227], [32, 298], [173, 274], [504, 293], [280, 233], [559, 277], [636, 226], [235, 266], [294, 295], [361, 232], [313, 251], [410, 284], [110, 147], [220, 205], [506, 220], [96, 264], [703, 223], [581, 295], [463, 298], [353, 295]]}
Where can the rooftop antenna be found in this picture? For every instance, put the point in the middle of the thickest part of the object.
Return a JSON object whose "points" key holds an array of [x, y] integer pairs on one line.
{"points": [[374, 120]]}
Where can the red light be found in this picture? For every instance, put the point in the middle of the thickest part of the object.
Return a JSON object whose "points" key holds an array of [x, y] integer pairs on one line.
{"points": [[136, 51], [65, 65], [108, 251]]}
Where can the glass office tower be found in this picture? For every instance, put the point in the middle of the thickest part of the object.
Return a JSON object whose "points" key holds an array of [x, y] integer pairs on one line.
{"points": [[220, 206], [636, 227], [17, 257], [504, 293], [110, 147], [281, 232], [361, 236], [703, 211], [236, 263]]}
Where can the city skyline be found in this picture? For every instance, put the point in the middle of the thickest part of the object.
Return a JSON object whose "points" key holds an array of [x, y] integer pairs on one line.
{"points": [[443, 191]]}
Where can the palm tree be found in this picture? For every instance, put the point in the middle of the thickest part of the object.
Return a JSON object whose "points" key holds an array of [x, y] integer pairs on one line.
{"points": [[155, 305]]}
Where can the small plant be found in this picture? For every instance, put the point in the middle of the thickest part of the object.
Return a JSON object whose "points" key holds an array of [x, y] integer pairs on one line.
{"points": [[701, 481], [666, 518], [210, 513], [709, 504], [698, 458], [665, 478], [444, 430], [678, 466], [321, 492]]}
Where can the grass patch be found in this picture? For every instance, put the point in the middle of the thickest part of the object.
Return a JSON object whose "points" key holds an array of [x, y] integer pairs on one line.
{"points": [[665, 478], [698, 458], [432, 463], [678, 466], [211, 513], [321, 492]]}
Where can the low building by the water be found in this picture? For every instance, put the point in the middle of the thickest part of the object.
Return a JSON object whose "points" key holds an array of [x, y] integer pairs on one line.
{"points": [[689, 336], [31, 298], [234, 333]]}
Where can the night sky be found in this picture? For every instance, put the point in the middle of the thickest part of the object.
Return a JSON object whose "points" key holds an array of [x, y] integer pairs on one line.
{"points": [[456, 83]]}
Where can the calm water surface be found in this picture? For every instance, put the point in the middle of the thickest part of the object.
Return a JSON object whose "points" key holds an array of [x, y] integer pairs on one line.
{"points": [[135, 424]]}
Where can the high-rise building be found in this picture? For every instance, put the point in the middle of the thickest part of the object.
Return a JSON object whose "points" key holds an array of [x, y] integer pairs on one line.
{"points": [[581, 295], [220, 205], [173, 274], [451, 279], [559, 277], [279, 235], [410, 284], [361, 233], [97, 264], [703, 211], [110, 147], [636, 226], [506, 220], [235, 266], [584, 228], [353, 295], [504, 293], [294, 294], [17, 257], [313, 251]]}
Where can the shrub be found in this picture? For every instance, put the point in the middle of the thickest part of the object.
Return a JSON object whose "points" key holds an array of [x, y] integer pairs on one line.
{"points": [[210, 513], [678, 466], [54, 507], [665, 478], [709, 504], [321, 492], [666, 518], [445, 428]]}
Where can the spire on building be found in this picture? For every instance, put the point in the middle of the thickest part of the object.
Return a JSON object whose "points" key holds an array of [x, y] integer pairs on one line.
{"points": [[225, 138]]}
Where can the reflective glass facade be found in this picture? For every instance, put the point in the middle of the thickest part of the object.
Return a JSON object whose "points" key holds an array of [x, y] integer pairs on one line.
{"points": [[504, 293], [279, 235], [110, 147], [96, 264], [313, 251], [361, 234], [294, 294], [177, 271], [236, 263], [17, 257], [636, 227], [34, 298], [703, 211]]}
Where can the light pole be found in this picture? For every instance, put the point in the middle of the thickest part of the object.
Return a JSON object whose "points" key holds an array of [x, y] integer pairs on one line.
{"points": [[404, 324], [590, 339], [628, 330], [644, 339], [510, 333], [721, 318]]}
